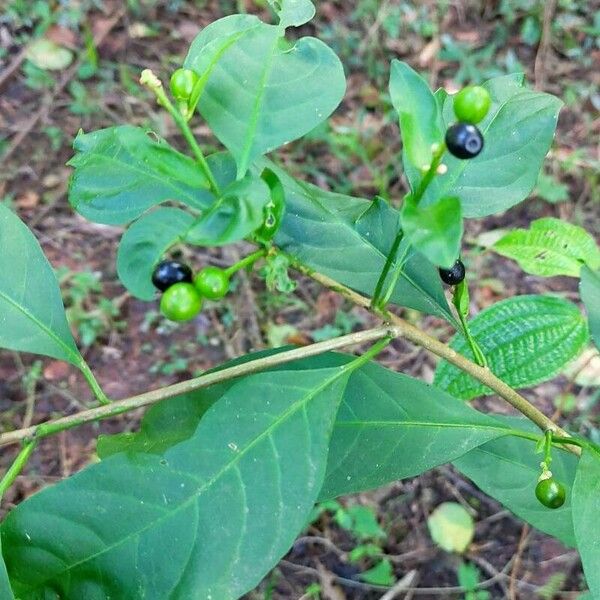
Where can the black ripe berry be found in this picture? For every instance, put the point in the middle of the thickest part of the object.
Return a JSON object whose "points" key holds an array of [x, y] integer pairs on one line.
{"points": [[454, 275], [464, 140], [170, 272]]}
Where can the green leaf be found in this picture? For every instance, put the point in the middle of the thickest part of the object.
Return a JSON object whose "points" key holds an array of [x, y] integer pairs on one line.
{"points": [[518, 132], [381, 574], [331, 233], [435, 230], [5, 589], [224, 506], [525, 339], [586, 508], [293, 13], [372, 441], [143, 245], [391, 426], [590, 294], [120, 172], [32, 315], [419, 115], [550, 247], [451, 527], [235, 215], [364, 523], [258, 92], [164, 425], [507, 469]]}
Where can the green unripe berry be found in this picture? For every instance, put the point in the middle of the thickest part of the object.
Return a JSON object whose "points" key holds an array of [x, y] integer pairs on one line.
{"points": [[182, 84], [472, 104], [550, 492], [212, 283], [181, 302]]}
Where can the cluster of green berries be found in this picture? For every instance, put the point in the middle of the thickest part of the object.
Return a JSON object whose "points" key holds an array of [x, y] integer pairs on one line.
{"points": [[464, 140], [471, 105], [183, 293]]}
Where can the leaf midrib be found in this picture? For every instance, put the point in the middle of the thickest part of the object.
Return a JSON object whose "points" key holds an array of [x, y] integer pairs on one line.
{"points": [[267, 433]]}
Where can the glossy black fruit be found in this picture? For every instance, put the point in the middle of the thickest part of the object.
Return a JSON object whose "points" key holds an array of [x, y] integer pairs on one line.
{"points": [[464, 140], [170, 272], [455, 274]]}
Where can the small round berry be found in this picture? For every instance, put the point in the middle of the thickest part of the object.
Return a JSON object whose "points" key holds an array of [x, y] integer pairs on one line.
{"points": [[464, 140], [550, 492], [455, 274], [472, 104], [212, 283], [181, 302], [170, 272], [182, 84]]}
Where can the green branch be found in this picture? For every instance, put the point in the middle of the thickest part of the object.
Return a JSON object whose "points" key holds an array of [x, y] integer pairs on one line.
{"points": [[121, 406]]}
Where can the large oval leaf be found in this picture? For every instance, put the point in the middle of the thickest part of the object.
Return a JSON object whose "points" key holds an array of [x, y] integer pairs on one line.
{"points": [[507, 469], [586, 508], [259, 92], [550, 247], [120, 172], [223, 506], [590, 294], [391, 426], [348, 239], [143, 245], [32, 315], [526, 340], [518, 132]]}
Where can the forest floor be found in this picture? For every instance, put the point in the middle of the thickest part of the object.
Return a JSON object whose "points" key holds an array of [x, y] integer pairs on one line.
{"points": [[132, 349]]}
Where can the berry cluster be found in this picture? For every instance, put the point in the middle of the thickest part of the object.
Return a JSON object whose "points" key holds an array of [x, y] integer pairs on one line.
{"points": [[183, 293], [464, 140], [471, 105]]}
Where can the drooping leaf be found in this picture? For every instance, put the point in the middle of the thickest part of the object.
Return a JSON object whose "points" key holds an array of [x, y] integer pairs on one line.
{"points": [[5, 589], [223, 506], [590, 294], [143, 245], [525, 339], [326, 231], [258, 92], [417, 108], [120, 172], [293, 13], [517, 132], [508, 468], [586, 508], [236, 214], [435, 230], [391, 426], [550, 247], [32, 315], [451, 527]]}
